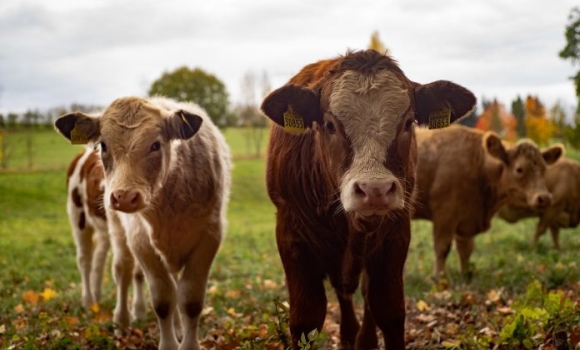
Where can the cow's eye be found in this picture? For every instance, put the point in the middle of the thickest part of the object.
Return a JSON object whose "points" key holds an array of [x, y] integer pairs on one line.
{"points": [[103, 147], [519, 170], [155, 146], [409, 123], [330, 127]]}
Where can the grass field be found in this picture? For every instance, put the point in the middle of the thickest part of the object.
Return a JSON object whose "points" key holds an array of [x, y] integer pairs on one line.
{"points": [[245, 306]]}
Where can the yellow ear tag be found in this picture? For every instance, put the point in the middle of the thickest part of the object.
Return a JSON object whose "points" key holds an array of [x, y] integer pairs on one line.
{"points": [[77, 137], [292, 123], [439, 120]]}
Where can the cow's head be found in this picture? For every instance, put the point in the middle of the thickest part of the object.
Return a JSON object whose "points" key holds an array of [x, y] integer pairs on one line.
{"points": [[362, 113], [523, 169], [134, 136]]}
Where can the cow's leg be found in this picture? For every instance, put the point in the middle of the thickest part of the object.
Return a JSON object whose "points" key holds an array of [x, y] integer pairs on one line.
{"points": [[348, 323], [123, 263], [99, 260], [442, 240], [367, 337], [555, 232], [84, 246], [385, 291], [465, 247], [139, 308], [161, 287], [192, 286], [540, 230]]}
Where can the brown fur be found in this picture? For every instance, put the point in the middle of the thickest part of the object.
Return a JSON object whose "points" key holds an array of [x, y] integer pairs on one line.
{"points": [[563, 182], [464, 176], [316, 238]]}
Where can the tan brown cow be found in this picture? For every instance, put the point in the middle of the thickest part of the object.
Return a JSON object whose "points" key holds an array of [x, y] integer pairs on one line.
{"points": [[167, 180], [340, 170], [465, 175], [90, 228], [563, 181]]}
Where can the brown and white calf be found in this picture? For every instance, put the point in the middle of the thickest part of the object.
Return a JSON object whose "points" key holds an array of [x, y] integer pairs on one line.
{"points": [[340, 170], [465, 175], [167, 180], [88, 222], [90, 227], [563, 181]]}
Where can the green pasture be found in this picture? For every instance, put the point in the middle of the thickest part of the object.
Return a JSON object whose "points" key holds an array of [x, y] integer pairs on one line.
{"points": [[246, 292]]}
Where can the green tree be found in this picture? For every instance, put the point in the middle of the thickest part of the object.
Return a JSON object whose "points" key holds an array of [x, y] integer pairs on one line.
{"points": [[572, 49], [558, 117], [195, 85], [519, 112]]}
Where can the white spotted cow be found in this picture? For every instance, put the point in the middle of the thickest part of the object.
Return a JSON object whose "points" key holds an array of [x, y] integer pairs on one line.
{"points": [[90, 228], [167, 179]]}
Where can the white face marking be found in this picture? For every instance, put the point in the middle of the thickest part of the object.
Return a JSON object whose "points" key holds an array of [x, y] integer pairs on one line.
{"points": [[369, 108]]}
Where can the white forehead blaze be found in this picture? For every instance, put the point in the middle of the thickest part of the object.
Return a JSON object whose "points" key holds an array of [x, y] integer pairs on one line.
{"points": [[369, 108]]}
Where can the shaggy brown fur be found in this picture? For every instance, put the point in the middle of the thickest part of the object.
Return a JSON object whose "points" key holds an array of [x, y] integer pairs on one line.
{"points": [[317, 238]]}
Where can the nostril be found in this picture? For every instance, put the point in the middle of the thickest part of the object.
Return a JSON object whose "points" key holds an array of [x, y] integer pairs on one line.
{"points": [[358, 190], [390, 188], [134, 198]]}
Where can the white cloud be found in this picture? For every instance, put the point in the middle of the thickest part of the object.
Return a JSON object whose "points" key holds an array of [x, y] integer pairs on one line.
{"points": [[59, 52]]}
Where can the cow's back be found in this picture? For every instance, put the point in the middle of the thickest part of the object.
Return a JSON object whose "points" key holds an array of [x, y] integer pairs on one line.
{"points": [[563, 181], [85, 190], [449, 171]]}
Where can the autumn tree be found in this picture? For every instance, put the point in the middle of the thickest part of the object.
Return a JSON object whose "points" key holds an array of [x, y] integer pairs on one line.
{"points": [[195, 85], [572, 49], [538, 126], [376, 43], [496, 118], [519, 112]]}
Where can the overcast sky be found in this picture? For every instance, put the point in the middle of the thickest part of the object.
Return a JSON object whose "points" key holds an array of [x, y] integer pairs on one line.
{"points": [[54, 53]]}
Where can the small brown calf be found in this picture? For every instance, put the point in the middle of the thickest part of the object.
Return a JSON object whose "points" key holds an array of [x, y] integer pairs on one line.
{"points": [[167, 180]]}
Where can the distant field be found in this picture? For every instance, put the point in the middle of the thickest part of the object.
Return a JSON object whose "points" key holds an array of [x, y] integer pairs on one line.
{"points": [[246, 289]]}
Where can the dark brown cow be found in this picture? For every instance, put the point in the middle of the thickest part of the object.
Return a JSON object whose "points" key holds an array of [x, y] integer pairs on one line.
{"points": [[465, 175], [563, 181], [340, 171], [90, 228]]}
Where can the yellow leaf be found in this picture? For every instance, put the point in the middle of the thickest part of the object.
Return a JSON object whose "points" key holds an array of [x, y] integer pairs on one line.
{"points": [[451, 343], [95, 308], [72, 321], [494, 295], [48, 294], [233, 294], [231, 311], [19, 309], [423, 306], [269, 284], [2, 329], [30, 297]]}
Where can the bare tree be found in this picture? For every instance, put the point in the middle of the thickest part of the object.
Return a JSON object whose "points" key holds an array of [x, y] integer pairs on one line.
{"points": [[249, 115]]}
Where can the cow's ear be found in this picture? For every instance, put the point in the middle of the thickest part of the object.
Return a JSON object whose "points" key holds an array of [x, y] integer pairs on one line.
{"points": [[78, 127], [553, 153], [293, 107], [495, 147], [442, 102], [183, 125]]}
